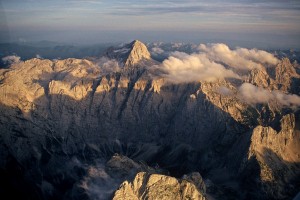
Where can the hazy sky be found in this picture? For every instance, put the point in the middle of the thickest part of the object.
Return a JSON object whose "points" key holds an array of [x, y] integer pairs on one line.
{"points": [[266, 23]]}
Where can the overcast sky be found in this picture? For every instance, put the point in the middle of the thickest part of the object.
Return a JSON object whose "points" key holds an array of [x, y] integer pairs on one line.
{"points": [[261, 23]]}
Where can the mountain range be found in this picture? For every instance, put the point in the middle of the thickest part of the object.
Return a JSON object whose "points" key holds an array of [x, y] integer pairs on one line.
{"points": [[124, 126]]}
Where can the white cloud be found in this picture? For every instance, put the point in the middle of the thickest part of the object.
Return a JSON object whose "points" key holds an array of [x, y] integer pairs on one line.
{"points": [[215, 61], [11, 59], [241, 58], [182, 67], [253, 95], [257, 56], [157, 50], [108, 66]]}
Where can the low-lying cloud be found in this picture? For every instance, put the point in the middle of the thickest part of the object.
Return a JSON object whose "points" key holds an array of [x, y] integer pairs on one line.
{"points": [[215, 61], [240, 58], [11, 59], [157, 50], [108, 66], [254, 95], [182, 67]]}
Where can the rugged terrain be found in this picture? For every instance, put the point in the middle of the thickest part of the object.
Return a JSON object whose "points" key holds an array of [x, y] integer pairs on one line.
{"points": [[62, 121]]}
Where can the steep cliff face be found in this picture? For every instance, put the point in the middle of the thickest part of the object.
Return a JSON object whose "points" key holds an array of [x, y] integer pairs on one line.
{"points": [[261, 78], [284, 143], [277, 156], [284, 75], [55, 110], [223, 94]]}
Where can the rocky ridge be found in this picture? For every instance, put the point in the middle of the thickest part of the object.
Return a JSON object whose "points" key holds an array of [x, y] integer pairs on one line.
{"points": [[277, 155]]}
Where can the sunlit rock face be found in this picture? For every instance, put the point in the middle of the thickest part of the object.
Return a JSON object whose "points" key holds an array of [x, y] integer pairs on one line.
{"points": [[276, 152], [131, 54], [62, 121], [156, 186]]}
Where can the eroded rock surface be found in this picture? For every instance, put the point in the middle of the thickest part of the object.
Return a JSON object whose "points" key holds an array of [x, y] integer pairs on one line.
{"points": [[156, 186]]}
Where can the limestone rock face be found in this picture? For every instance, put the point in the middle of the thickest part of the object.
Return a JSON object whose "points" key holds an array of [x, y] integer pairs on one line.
{"points": [[155, 186], [138, 52], [228, 101], [276, 153], [266, 137], [130, 54], [260, 77], [284, 74]]}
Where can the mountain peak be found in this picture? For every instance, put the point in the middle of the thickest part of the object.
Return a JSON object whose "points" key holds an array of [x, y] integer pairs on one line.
{"points": [[136, 42], [285, 75], [130, 54], [138, 52]]}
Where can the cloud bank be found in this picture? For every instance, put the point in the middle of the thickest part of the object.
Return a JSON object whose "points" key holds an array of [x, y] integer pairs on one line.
{"points": [[157, 50], [254, 95], [182, 67], [241, 58], [218, 61], [215, 61], [11, 59], [108, 65]]}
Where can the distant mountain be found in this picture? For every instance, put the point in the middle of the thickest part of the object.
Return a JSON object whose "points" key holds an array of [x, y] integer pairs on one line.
{"points": [[50, 50], [54, 50], [70, 129]]}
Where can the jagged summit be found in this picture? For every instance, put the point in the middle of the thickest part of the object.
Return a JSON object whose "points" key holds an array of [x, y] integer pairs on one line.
{"points": [[138, 52], [129, 54]]}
